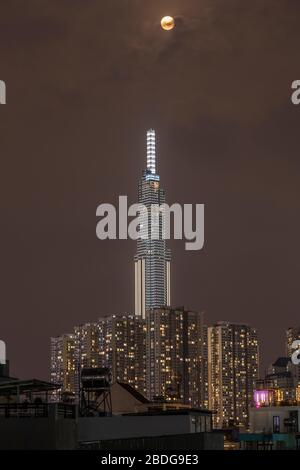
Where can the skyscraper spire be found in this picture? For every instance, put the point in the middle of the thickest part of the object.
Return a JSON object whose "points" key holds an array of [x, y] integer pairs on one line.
{"points": [[152, 261], [151, 151]]}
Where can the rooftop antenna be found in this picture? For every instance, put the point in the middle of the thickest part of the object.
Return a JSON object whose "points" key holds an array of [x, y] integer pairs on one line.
{"points": [[151, 156]]}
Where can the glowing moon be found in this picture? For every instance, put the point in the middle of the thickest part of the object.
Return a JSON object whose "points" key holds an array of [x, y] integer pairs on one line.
{"points": [[167, 23]]}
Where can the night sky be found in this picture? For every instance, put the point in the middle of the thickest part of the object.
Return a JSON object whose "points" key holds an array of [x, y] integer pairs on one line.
{"points": [[85, 80]]}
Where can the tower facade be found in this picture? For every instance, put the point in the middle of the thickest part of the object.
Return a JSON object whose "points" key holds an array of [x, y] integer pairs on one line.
{"points": [[152, 261], [122, 342], [117, 342], [63, 364], [233, 364], [174, 355]]}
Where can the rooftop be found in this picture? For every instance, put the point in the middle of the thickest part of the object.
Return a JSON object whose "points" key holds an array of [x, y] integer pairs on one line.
{"points": [[137, 395], [16, 387], [187, 411]]}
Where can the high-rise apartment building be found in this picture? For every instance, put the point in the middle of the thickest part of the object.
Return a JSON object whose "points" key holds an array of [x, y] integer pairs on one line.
{"points": [[205, 367], [152, 261], [63, 364], [87, 351], [122, 345], [174, 355], [117, 342], [233, 364]]}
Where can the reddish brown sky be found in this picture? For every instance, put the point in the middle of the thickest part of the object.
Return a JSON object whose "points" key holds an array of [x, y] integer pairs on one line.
{"points": [[85, 79]]}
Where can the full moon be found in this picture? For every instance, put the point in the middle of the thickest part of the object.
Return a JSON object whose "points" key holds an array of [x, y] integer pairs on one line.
{"points": [[167, 23]]}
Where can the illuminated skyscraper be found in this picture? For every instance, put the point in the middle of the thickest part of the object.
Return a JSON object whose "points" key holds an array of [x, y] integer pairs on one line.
{"points": [[122, 346], [116, 342], [174, 356], [87, 350], [63, 364], [152, 261], [232, 371]]}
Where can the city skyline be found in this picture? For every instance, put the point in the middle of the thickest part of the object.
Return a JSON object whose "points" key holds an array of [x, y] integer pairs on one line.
{"points": [[173, 357], [81, 93], [149, 192]]}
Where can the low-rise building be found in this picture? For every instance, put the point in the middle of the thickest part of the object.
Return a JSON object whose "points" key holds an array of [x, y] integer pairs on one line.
{"points": [[29, 421]]}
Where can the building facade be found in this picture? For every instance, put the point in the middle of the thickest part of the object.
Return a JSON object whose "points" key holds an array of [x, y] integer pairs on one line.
{"points": [[278, 386], [87, 350], [233, 364], [63, 364], [174, 355], [122, 346], [117, 342], [293, 334], [152, 261]]}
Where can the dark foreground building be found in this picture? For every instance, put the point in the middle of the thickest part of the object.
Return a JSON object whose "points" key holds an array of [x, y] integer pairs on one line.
{"points": [[57, 427], [29, 421]]}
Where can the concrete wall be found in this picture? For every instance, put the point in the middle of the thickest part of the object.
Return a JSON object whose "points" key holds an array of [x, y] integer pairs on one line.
{"points": [[37, 433], [122, 427], [52, 433], [192, 441]]}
